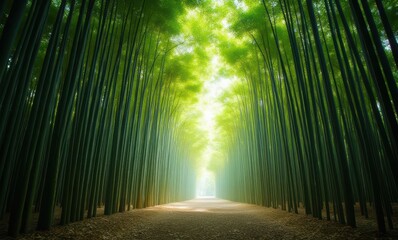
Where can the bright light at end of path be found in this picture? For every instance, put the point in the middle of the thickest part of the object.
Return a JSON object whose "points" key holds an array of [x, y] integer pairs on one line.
{"points": [[205, 186]]}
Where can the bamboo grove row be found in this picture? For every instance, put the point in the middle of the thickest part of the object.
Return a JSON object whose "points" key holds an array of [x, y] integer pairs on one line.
{"points": [[316, 122], [88, 114]]}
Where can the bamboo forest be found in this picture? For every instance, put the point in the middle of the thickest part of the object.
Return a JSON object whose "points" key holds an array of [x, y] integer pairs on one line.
{"points": [[109, 106]]}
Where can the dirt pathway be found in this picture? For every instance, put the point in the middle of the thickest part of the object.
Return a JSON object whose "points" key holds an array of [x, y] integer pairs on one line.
{"points": [[205, 219]]}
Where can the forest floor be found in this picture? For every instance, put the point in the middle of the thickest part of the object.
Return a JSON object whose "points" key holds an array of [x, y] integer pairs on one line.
{"points": [[210, 218]]}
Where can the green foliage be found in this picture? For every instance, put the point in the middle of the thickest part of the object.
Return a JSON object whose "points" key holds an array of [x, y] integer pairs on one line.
{"points": [[234, 54], [164, 14], [249, 21]]}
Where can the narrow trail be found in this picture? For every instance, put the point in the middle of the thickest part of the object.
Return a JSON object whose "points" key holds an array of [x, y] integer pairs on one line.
{"points": [[205, 218]]}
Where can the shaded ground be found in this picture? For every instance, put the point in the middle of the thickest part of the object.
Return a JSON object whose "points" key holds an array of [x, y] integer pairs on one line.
{"points": [[209, 219]]}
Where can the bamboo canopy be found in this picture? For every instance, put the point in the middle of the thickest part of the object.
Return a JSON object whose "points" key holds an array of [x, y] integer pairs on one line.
{"points": [[97, 106]]}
